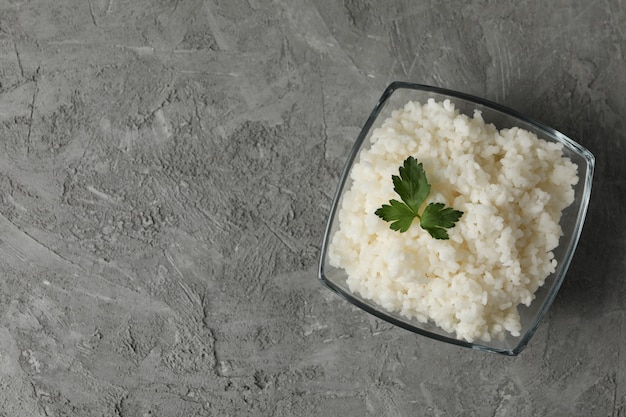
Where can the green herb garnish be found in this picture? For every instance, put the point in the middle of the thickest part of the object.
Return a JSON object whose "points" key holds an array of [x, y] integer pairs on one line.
{"points": [[413, 188]]}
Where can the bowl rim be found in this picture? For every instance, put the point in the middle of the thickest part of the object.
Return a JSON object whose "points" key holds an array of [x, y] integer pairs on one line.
{"points": [[565, 263]]}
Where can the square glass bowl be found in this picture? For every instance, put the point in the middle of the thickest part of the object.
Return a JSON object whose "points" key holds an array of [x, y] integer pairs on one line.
{"points": [[395, 97]]}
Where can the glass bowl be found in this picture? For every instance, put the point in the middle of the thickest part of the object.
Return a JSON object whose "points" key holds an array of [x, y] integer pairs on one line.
{"points": [[395, 97]]}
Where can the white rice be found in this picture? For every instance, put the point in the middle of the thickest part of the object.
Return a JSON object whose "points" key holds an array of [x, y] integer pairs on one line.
{"points": [[512, 188]]}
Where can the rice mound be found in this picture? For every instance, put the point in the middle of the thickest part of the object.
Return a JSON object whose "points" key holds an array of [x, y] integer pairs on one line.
{"points": [[512, 188]]}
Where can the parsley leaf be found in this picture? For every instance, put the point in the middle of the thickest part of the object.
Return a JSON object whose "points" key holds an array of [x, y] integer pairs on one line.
{"points": [[399, 213], [413, 188], [436, 218], [411, 185]]}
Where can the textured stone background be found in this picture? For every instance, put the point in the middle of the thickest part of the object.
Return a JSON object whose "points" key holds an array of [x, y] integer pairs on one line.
{"points": [[166, 168]]}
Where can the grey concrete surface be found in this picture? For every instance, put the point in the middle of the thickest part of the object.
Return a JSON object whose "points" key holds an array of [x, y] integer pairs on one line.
{"points": [[166, 169]]}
